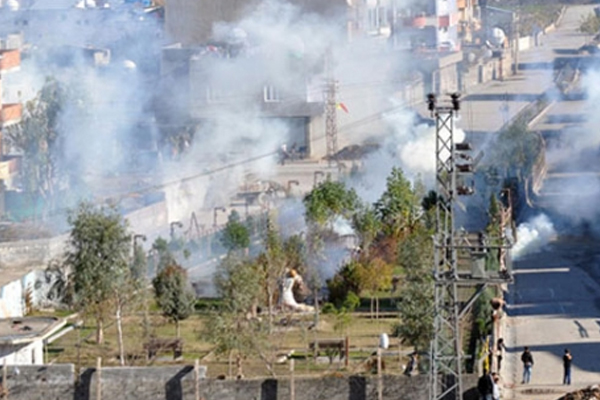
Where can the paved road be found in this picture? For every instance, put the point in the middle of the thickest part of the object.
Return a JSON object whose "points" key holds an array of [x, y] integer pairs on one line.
{"points": [[554, 304], [555, 301]]}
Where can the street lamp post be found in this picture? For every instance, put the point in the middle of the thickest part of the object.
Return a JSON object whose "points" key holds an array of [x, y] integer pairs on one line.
{"points": [[136, 237], [172, 226], [289, 186]]}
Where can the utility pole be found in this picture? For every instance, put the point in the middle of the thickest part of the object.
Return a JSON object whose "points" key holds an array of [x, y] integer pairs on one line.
{"points": [[331, 128], [516, 16], [459, 257]]}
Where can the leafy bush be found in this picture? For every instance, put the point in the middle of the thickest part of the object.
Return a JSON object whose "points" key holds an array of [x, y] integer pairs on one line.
{"points": [[351, 302]]}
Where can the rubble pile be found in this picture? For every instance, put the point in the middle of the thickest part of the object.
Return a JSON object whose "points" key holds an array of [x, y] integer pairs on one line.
{"points": [[589, 393]]}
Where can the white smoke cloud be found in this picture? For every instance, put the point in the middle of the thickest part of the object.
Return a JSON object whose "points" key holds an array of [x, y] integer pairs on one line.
{"points": [[533, 235]]}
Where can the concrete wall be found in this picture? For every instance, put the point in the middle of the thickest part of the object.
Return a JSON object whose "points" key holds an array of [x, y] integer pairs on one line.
{"points": [[55, 382], [11, 300], [29, 354], [177, 383]]}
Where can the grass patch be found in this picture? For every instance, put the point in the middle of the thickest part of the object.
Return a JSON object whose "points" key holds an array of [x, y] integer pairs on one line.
{"points": [[79, 347]]}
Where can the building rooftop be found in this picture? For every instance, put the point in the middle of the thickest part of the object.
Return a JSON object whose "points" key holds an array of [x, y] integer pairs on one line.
{"points": [[27, 329]]}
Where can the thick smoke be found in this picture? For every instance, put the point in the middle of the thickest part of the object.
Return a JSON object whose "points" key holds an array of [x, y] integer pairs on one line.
{"points": [[107, 60], [110, 135], [533, 235], [572, 186]]}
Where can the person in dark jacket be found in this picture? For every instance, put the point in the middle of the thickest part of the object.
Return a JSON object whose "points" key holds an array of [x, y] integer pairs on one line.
{"points": [[527, 360], [500, 348], [485, 386], [567, 360]]}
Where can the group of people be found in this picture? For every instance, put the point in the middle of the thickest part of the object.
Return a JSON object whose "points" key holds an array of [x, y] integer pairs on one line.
{"points": [[527, 360], [488, 384]]}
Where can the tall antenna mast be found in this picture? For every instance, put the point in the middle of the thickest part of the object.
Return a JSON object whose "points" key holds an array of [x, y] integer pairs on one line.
{"points": [[461, 260], [331, 127]]}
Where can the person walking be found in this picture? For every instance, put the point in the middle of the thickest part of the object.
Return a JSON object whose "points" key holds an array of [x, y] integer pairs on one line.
{"points": [[567, 360], [527, 360], [500, 347]]}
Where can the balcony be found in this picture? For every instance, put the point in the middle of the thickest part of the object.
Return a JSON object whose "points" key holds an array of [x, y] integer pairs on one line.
{"points": [[10, 114], [9, 60]]}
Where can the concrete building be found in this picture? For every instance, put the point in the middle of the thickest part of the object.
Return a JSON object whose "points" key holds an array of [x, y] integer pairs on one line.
{"points": [[430, 25], [10, 112], [191, 23], [197, 94], [22, 340]]}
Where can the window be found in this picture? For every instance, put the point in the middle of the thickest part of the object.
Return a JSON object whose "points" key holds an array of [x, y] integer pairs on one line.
{"points": [[271, 94]]}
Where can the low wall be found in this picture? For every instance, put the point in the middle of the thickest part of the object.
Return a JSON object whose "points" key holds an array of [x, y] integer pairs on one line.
{"points": [[57, 382]]}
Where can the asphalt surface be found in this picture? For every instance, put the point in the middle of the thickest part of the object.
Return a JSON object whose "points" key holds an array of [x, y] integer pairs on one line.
{"points": [[555, 301]]}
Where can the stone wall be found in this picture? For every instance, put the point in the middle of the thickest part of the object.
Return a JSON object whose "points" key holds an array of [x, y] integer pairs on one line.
{"points": [[57, 382]]}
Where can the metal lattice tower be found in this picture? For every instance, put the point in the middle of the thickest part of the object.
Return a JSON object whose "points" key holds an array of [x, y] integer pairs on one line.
{"points": [[460, 257], [331, 128]]}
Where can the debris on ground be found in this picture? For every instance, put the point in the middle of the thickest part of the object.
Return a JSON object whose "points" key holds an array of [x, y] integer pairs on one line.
{"points": [[589, 393]]}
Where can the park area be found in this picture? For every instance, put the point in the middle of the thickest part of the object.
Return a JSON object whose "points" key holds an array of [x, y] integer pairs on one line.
{"points": [[293, 336]]}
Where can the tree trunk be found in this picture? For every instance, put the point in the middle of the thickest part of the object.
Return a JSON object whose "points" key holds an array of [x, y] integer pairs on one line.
{"points": [[178, 329], [270, 306], [99, 330], [146, 320], [120, 335], [371, 306], [238, 363], [316, 295], [230, 362]]}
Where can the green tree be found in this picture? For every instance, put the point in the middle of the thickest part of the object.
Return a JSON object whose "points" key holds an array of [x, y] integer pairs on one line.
{"points": [[37, 138], [517, 151], [174, 294], [272, 266], [399, 207], [139, 274], [589, 24], [328, 200], [236, 235], [367, 226], [416, 291], [374, 275], [238, 282], [98, 256], [345, 281], [162, 255], [294, 250]]}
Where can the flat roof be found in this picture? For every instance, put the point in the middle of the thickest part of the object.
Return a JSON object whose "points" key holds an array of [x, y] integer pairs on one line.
{"points": [[17, 271], [27, 329]]}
